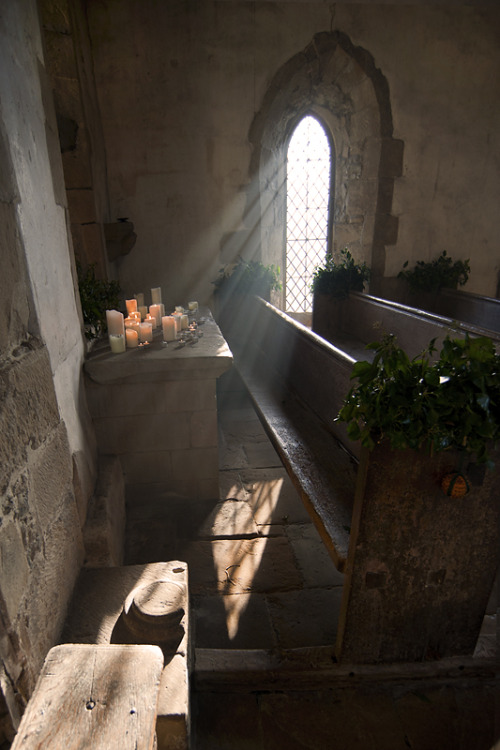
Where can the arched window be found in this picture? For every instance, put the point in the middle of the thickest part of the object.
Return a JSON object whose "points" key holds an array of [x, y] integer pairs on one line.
{"points": [[309, 172]]}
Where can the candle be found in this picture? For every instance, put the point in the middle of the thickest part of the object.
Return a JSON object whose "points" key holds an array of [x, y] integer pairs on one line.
{"points": [[150, 319], [179, 309], [146, 332], [155, 311], [144, 311], [184, 321], [169, 328], [178, 322], [193, 306], [156, 296], [162, 312], [117, 342], [136, 315], [140, 299], [114, 321], [132, 338], [131, 305]]}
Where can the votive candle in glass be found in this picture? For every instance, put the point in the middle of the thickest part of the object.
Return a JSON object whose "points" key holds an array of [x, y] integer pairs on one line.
{"points": [[132, 338], [117, 342], [146, 332]]}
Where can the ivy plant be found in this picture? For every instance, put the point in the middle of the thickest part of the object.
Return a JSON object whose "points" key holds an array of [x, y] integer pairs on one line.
{"points": [[96, 296], [452, 402], [432, 276], [338, 276]]}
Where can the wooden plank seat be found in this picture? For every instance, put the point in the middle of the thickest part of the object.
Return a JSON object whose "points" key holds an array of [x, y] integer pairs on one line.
{"points": [[296, 381], [94, 696]]}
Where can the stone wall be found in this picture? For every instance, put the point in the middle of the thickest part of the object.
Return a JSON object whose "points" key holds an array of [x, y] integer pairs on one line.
{"points": [[47, 446], [180, 85]]}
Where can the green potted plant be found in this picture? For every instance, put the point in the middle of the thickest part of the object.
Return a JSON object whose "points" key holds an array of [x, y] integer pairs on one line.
{"points": [[432, 276], [448, 403], [235, 285], [96, 296], [331, 284], [248, 277]]}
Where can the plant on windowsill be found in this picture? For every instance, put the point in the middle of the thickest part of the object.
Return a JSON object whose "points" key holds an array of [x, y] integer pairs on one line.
{"points": [[450, 403], [96, 296], [338, 276], [434, 275]]}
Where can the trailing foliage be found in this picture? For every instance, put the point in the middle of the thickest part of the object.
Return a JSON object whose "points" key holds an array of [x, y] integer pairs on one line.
{"points": [[337, 277], [453, 402], [96, 296], [245, 277], [436, 274]]}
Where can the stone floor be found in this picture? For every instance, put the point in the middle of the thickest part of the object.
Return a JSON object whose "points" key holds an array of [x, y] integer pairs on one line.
{"points": [[260, 579]]}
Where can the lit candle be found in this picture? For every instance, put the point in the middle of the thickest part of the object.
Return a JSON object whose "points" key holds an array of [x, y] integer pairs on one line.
{"points": [[155, 311], [114, 321], [169, 328], [117, 342], [146, 332], [140, 299], [144, 311], [150, 319], [156, 296], [184, 321], [193, 306], [131, 305], [132, 338], [136, 315]]}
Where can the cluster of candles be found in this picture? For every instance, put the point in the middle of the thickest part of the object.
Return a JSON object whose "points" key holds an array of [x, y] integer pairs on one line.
{"points": [[137, 328]]}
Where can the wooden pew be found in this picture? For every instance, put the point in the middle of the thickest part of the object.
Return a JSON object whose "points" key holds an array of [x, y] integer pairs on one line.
{"points": [[419, 565]]}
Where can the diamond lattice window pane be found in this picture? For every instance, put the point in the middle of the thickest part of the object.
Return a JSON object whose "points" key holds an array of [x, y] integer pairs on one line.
{"points": [[308, 195]]}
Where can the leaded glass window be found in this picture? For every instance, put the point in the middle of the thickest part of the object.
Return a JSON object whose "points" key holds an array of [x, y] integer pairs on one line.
{"points": [[308, 200]]}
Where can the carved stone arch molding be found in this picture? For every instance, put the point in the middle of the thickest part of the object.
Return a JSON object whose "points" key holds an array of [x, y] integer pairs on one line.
{"points": [[340, 84]]}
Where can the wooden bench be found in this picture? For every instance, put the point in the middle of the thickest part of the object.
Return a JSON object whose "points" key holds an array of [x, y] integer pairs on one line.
{"points": [[419, 566], [94, 696], [296, 381], [360, 319]]}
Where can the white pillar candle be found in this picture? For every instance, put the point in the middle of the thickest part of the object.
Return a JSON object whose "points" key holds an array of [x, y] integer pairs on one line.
{"points": [[179, 309], [155, 311], [144, 311], [184, 321], [131, 305], [168, 326], [132, 338], [146, 332], [193, 306], [178, 322], [162, 312], [117, 342], [114, 321], [156, 295], [150, 319], [140, 299]]}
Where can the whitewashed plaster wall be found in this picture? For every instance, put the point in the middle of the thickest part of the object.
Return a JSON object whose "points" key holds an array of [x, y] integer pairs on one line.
{"points": [[179, 84], [47, 454]]}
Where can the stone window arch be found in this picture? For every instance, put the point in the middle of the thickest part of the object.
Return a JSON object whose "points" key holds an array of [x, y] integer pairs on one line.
{"points": [[340, 84]]}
